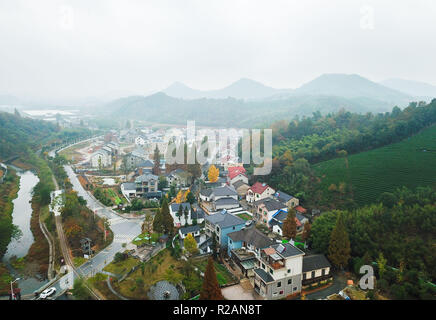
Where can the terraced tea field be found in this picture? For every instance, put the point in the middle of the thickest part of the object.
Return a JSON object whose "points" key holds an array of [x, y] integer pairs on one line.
{"points": [[409, 163]]}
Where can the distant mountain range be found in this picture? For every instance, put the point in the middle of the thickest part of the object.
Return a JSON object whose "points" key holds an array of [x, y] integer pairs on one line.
{"points": [[414, 88], [247, 103], [241, 89]]}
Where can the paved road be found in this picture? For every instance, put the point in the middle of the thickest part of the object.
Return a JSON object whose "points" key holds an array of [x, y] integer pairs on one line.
{"points": [[125, 230]]}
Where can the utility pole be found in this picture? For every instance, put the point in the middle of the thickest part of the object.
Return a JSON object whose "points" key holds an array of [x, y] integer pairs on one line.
{"points": [[12, 288]]}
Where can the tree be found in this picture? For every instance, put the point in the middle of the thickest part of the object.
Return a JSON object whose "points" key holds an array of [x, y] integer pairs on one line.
{"points": [[213, 173], [186, 214], [306, 231], [190, 244], [179, 197], [147, 225], [339, 246], [190, 198], [211, 289], [179, 213], [381, 263], [290, 225], [163, 222], [156, 161], [163, 183]]}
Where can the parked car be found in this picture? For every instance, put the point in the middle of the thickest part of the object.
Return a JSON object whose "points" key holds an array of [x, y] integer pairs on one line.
{"points": [[47, 293], [248, 223]]}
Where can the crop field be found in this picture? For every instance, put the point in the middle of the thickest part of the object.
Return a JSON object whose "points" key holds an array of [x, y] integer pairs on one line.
{"points": [[409, 163]]}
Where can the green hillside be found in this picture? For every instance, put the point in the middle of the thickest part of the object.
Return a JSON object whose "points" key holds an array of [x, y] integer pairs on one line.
{"points": [[409, 163]]}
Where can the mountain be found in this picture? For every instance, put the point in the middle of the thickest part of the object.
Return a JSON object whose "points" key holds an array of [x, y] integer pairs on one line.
{"points": [[352, 86], [241, 89], [230, 112], [415, 88]]}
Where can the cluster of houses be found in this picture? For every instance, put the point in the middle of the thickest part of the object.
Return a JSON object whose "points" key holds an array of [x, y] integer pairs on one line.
{"points": [[102, 157], [229, 212]]}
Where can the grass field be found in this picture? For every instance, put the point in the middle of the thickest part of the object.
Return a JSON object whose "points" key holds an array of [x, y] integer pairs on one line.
{"points": [[409, 163]]}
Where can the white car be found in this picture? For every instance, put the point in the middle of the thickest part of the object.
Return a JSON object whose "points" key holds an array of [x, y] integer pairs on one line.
{"points": [[47, 293]]}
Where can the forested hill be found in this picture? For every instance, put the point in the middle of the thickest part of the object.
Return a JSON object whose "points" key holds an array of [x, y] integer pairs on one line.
{"points": [[17, 134], [320, 138], [232, 112]]}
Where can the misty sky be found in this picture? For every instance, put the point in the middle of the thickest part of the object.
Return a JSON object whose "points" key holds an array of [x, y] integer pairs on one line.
{"points": [[66, 49]]}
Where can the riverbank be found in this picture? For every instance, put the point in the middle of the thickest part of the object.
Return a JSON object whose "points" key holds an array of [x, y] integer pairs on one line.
{"points": [[8, 192]]}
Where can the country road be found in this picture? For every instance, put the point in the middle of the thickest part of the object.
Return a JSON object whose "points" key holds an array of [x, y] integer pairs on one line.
{"points": [[125, 230]]}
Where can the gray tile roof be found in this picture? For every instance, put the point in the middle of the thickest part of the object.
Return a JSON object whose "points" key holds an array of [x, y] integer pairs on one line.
{"points": [[146, 163], [224, 191], [129, 185], [175, 206], [251, 236], [226, 201], [206, 192], [224, 220], [265, 276], [282, 196], [315, 262], [289, 251], [189, 229], [272, 204], [146, 177], [239, 183]]}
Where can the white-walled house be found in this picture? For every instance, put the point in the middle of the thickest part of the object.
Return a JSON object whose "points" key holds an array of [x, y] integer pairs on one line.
{"points": [[278, 272], [259, 191], [194, 230], [101, 157], [197, 215], [128, 189]]}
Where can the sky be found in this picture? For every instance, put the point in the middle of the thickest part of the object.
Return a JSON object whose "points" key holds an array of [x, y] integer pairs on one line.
{"points": [[108, 48]]}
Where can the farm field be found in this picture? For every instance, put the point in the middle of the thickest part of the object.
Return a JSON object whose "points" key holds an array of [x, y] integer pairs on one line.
{"points": [[409, 163]]}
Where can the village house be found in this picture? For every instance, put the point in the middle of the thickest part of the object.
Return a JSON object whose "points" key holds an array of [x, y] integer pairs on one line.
{"points": [[196, 215], [101, 158], [146, 184], [241, 188], [277, 219], [224, 198], [128, 189], [278, 271], [244, 246], [316, 269], [177, 177], [288, 200], [237, 174], [219, 225], [259, 191], [265, 208], [193, 230]]}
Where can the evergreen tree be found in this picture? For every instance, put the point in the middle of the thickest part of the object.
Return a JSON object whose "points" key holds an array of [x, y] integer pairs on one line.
{"points": [[186, 214], [306, 231], [289, 225], [156, 161], [179, 213], [211, 289], [339, 247], [167, 220]]}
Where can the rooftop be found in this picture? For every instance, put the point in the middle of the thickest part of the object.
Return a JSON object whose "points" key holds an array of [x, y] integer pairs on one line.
{"points": [[224, 220], [315, 262], [251, 236]]}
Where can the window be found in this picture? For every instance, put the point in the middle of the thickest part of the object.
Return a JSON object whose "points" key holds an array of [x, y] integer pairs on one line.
{"points": [[323, 272], [295, 288], [263, 266], [289, 270], [234, 228], [279, 284], [271, 271], [289, 281], [304, 276], [281, 292], [313, 274]]}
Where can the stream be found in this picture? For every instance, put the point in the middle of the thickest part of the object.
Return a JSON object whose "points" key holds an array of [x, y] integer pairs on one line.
{"points": [[21, 216]]}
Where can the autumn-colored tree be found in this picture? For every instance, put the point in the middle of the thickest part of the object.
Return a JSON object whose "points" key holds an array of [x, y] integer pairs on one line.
{"points": [[179, 197], [211, 289], [306, 231], [339, 247], [213, 173], [289, 225], [190, 244]]}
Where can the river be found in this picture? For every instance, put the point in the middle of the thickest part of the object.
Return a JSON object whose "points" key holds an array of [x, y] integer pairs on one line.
{"points": [[21, 216]]}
